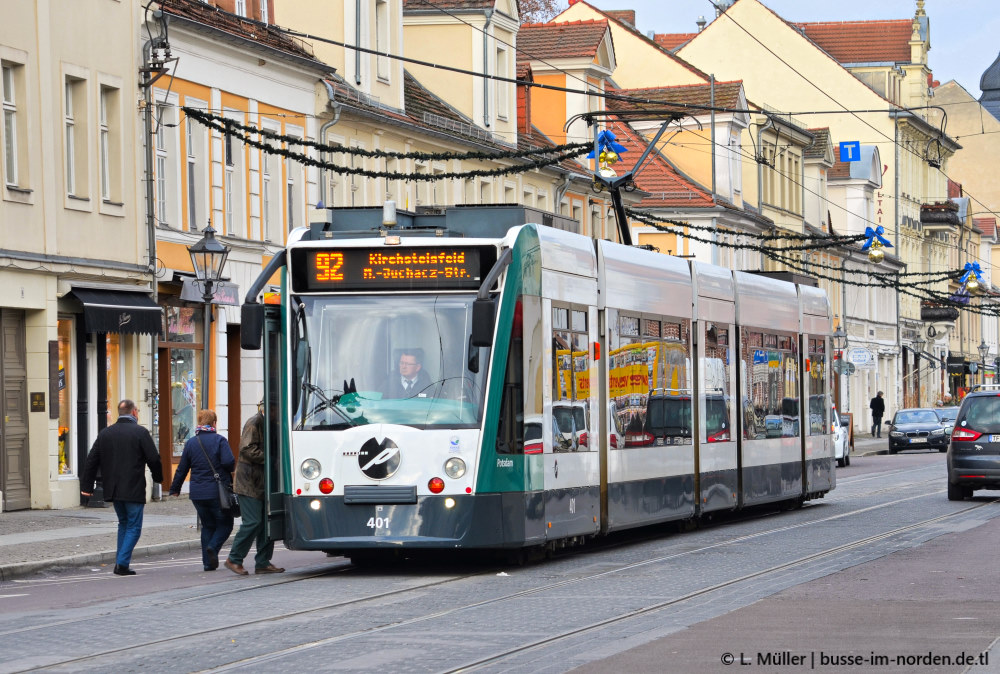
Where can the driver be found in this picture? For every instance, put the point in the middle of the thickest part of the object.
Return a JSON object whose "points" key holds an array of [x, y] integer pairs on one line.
{"points": [[410, 379]]}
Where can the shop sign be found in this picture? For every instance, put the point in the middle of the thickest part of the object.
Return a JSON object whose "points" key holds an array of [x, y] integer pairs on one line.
{"points": [[860, 357], [223, 292]]}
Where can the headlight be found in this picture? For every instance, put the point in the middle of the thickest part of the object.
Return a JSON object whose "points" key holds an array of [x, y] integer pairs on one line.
{"points": [[937, 431], [895, 434], [310, 469], [454, 467]]}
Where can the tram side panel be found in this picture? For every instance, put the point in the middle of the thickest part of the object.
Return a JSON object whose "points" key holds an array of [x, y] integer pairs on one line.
{"points": [[817, 326], [571, 422], [646, 300], [716, 441], [771, 467]]}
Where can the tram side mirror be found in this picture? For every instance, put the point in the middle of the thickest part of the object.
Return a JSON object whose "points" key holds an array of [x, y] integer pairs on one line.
{"points": [[252, 328], [483, 317]]}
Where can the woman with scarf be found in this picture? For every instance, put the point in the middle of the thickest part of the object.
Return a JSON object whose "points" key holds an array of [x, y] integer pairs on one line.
{"points": [[207, 454]]}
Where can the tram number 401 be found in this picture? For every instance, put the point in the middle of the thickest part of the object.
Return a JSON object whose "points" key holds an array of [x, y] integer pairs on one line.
{"points": [[378, 522]]}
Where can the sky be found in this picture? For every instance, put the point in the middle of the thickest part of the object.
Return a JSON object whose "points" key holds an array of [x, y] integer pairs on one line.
{"points": [[965, 34]]}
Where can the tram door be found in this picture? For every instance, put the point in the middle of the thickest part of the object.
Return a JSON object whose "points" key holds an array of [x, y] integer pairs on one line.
{"points": [[274, 473]]}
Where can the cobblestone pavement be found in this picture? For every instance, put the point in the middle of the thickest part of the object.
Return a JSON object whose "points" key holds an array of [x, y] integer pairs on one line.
{"points": [[35, 540], [615, 601]]}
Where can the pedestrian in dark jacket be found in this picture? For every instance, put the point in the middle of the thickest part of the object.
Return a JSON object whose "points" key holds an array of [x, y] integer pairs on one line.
{"points": [[877, 406], [206, 455], [249, 486], [121, 452]]}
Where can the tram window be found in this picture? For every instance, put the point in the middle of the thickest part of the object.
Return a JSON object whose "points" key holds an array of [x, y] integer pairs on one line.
{"points": [[716, 379], [571, 380], [649, 382], [817, 384], [771, 386]]}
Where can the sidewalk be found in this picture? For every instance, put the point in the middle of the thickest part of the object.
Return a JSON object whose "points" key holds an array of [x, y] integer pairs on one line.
{"points": [[36, 540]]}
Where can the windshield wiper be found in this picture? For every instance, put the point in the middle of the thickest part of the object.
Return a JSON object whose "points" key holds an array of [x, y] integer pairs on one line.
{"points": [[330, 403]]}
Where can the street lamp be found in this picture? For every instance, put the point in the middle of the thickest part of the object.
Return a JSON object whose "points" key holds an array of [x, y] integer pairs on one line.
{"points": [[208, 257], [984, 350], [918, 345], [839, 338]]}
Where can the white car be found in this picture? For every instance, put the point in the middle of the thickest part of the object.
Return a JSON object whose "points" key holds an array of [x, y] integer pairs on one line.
{"points": [[841, 448]]}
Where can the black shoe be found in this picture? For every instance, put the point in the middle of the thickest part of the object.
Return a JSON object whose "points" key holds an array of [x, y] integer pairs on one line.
{"points": [[123, 570], [213, 559]]}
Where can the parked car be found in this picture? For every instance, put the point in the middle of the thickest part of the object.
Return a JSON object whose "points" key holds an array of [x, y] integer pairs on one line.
{"points": [[841, 445], [974, 452], [947, 416], [917, 428]]}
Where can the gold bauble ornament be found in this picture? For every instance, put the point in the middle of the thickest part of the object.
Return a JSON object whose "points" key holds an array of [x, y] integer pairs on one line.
{"points": [[972, 286], [612, 157], [603, 157], [876, 254]]}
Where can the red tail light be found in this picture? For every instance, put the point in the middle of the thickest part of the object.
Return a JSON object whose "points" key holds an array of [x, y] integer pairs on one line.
{"points": [[965, 434], [326, 485], [721, 436], [533, 447], [639, 439], [583, 440], [436, 485], [613, 441]]}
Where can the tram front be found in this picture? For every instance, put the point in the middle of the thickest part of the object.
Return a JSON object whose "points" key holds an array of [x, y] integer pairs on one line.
{"points": [[384, 394]]}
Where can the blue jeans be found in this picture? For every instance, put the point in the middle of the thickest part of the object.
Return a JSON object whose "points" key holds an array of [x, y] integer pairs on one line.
{"points": [[129, 529], [251, 532], [216, 526]]}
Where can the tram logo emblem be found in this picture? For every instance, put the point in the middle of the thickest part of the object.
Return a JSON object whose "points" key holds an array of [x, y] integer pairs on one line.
{"points": [[379, 460]]}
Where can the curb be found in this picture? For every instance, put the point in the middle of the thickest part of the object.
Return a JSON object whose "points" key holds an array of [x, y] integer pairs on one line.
{"points": [[11, 571]]}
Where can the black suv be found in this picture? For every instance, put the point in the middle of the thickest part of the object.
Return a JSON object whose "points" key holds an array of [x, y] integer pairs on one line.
{"points": [[974, 453]]}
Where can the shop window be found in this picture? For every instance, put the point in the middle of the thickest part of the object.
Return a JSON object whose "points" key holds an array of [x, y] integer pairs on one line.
{"points": [[67, 455]]}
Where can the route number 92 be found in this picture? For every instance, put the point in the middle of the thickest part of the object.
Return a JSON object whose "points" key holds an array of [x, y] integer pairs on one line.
{"points": [[378, 522]]}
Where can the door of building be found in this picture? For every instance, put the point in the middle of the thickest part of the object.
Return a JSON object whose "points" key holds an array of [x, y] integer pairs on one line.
{"points": [[14, 460]]}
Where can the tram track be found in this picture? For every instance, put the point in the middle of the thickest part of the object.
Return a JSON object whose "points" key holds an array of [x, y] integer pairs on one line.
{"points": [[497, 657], [373, 599]]}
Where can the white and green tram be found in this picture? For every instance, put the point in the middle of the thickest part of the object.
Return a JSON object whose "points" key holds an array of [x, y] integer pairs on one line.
{"points": [[468, 384]]}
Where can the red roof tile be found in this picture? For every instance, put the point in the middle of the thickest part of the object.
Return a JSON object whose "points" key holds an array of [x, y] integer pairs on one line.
{"points": [[672, 41], [862, 41], [841, 169], [988, 226], [568, 39], [727, 95], [666, 186]]}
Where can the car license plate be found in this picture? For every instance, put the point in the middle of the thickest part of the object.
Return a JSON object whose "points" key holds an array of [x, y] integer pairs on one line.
{"points": [[916, 440], [995, 438]]}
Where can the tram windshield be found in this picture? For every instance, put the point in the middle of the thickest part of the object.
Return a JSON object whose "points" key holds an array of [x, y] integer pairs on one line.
{"points": [[383, 359]]}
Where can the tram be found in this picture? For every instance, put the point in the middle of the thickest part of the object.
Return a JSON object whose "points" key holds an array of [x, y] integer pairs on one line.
{"points": [[458, 382]]}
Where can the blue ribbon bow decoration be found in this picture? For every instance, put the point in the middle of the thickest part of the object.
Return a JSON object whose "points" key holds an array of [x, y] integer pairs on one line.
{"points": [[606, 141], [970, 269], [873, 234]]}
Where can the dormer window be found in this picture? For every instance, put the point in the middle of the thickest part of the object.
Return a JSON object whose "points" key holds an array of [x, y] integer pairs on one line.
{"points": [[382, 38]]}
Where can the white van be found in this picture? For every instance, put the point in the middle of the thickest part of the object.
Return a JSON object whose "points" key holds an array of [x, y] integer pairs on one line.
{"points": [[841, 447]]}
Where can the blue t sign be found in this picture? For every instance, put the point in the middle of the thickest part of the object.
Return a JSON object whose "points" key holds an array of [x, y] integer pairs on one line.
{"points": [[850, 151]]}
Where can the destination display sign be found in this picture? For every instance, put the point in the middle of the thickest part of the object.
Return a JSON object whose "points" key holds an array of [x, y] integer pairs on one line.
{"points": [[384, 268]]}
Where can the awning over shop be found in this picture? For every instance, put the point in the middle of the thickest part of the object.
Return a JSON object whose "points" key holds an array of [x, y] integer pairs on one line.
{"points": [[119, 311]]}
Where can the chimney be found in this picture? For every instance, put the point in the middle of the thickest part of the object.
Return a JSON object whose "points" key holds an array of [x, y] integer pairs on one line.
{"points": [[524, 99], [701, 23]]}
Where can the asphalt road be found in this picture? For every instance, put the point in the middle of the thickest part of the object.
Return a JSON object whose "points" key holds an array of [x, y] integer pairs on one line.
{"points": [[884, 566]]}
